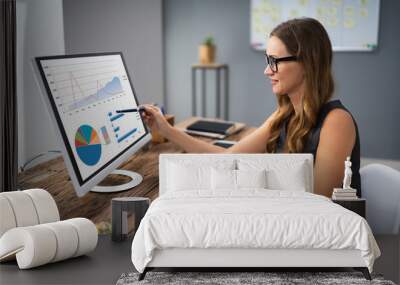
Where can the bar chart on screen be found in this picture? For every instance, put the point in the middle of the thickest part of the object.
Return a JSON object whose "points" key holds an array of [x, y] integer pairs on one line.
{"points": [[122, 126]]}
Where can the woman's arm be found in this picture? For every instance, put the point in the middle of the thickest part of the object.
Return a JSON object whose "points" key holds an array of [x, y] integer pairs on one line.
{"points": [[337, 139], [253, 143]]}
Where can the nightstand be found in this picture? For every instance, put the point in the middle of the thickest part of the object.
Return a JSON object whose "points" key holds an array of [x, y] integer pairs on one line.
{"points": [[127, 212], [356, 205]]}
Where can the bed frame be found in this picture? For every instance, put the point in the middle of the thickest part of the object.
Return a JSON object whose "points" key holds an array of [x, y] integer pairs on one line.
{"points": [[246, 259]]}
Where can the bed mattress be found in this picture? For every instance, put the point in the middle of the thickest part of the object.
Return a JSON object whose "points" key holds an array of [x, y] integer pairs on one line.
{"points": [[250, 219]]}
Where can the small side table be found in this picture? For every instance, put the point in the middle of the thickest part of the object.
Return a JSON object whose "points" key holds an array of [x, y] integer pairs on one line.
{"points": [[127, 212], [356, 205], [218, 68]]}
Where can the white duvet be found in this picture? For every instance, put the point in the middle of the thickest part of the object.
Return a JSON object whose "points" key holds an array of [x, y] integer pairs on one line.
{"points": [[250, 219]]}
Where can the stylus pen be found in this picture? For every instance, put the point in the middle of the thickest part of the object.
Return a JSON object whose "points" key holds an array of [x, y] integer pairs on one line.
{"points": [[130, 110], [140, 109]]}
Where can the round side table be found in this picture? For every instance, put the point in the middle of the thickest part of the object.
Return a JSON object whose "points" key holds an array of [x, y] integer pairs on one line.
{"points": [[127, 212]]}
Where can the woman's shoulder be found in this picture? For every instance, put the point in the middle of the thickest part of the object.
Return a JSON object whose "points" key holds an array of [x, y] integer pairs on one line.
{"points": [[335, 112], [338, 123], [338, 118]]}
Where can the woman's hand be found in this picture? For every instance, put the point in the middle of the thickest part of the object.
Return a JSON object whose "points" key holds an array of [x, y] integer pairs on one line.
{"points": [[155, 120]]}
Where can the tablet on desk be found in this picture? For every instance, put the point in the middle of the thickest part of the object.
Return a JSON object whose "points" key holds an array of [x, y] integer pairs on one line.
{"points": [[217, 127], [187, 126]]}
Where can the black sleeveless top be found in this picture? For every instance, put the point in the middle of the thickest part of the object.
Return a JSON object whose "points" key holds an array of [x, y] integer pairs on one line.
{"points": [[312, 142]]}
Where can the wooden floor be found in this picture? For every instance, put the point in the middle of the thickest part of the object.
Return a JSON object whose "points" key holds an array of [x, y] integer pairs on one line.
{"points": [[53, 177]]}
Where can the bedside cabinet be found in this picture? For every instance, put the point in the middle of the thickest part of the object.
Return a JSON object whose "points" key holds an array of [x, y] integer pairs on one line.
{"points": [[357, 206], [127, 212]]}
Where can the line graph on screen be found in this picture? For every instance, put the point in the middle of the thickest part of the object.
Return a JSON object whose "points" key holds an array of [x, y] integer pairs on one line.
{"points": [[78, 87]]}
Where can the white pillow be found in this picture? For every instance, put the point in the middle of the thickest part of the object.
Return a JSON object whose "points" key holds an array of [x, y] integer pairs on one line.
{"points": [[185, 175], [294, 179], [251, 178], [281, 174], [223, 179], [236, 179]]}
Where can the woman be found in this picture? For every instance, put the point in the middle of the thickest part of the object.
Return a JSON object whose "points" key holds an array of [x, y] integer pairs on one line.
{"points": [[299, 60]]}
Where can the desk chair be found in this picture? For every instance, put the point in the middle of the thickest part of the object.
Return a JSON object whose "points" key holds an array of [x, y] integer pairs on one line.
{"points": [[381, 188]]}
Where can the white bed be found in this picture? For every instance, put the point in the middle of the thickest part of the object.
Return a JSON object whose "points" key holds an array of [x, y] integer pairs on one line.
{"points": [[243, 210]]}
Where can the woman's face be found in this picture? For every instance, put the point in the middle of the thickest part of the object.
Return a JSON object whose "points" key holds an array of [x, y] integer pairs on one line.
{"points": [[290, 75]]}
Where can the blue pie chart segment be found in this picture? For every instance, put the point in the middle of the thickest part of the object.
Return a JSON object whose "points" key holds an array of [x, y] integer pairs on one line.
{"points": [[88, 145]]}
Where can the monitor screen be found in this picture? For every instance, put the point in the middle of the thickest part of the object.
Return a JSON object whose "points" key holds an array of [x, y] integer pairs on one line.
{"points": [[84, 92]]}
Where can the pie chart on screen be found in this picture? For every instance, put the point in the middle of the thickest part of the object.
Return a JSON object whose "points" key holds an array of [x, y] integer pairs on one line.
{"points": [[88, 145]]}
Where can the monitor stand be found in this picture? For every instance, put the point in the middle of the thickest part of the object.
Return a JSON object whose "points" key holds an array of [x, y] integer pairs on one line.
{"points": [[136, 180]]}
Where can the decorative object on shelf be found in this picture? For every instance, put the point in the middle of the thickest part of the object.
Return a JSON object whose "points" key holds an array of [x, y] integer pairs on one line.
{"points": [[127, 212], [347, 174], [207, 51], [345, 193]]}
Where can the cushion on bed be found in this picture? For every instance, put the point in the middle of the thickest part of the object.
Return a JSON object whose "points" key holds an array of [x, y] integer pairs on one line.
{"points": [[251, 178], [293, 179], [237, 179], [281, 174], [223, 179], [186, 175]]}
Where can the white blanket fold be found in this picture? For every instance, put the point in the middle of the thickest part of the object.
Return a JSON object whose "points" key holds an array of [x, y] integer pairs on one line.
{"points": [[250, 218]]}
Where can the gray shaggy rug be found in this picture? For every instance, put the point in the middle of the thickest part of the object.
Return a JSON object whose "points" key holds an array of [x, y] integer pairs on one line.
{"points": [[230, 278]]}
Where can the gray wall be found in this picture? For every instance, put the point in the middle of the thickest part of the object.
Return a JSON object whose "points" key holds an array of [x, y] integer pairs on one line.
{"points": [[367, 82], [131, 26], [40, 31]]}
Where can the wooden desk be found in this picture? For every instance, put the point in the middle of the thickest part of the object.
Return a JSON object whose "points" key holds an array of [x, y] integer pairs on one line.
{"points": [[53, 176]]}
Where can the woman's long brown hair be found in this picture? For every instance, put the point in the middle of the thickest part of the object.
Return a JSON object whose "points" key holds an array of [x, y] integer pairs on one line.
{"points": [[307, 39]]}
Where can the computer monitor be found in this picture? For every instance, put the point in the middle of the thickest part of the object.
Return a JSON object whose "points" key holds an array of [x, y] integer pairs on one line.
{"points": [[83, 93]]}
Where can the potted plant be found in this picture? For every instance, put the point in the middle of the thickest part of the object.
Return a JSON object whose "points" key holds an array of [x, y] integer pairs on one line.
{"points": [[207, 51]]}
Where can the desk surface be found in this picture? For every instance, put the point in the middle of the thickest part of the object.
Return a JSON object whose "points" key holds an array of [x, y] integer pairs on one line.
{"points": [[53, 176]]}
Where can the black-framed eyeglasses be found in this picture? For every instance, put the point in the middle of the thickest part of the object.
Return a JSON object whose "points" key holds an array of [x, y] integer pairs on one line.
{"points": [[273, 61]]}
